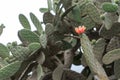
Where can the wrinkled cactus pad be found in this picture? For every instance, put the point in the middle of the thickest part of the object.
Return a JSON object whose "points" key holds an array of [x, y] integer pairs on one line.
{"points": [[109, 7], [9, 70]]}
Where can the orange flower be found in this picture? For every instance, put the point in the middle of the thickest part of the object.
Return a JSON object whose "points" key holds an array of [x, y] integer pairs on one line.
{"points": [[80, 29]]}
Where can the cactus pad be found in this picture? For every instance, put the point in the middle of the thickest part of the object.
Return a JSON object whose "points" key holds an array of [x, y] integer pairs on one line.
{"points": [[4, 52], [88, 22], [43, 40], [48, 18], [98, 49], [19, 52], [109, 7], [34, 46], [24, 21], [36, 22], [108, 34], [113, 44], [117, 69], [93, 13], [49, 29], [111, 56], [9, 70], [27, 36]]}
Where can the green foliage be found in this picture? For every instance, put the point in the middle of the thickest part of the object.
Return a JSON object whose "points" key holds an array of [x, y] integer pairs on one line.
{"points": [[93, 13], [111, 56], [27, 36], [19, 52], [39, 72], [34, 46], [75, 14], [116, 69], [24, 21], [58, 72], [49, 2], [108, 34], [98, 49], [9, 70], [49, 54], [87, 22], [43, 40], [43, 10], [109, 7], [1, 28], [4, 52], [36, 22]]}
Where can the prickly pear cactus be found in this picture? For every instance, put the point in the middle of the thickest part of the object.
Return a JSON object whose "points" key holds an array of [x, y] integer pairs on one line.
{"points": [[75, 32]]}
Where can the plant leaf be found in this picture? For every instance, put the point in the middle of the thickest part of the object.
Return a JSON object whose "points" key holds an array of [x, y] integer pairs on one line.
{"points": [[24, 21], [43, 10], [9, 70], [4, 52], [36, 22], [111, 56]]}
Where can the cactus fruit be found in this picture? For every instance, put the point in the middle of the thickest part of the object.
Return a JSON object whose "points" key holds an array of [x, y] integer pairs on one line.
{"points": [[109, 7]]}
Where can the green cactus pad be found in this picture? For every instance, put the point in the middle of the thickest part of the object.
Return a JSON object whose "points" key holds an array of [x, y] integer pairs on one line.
{"points": [[93, 13], [19, 52], [113, 44], [108, 34], [43, 40], [117, 69], [109, 7], [49, 29], [48, 17], [4, 52], [111, 56], [27, 36], [9, 70], [88, 22], [75, 14], [58, 73], [24, 21], [43, 10], [98, 49], [36, 22], [90, 58], [34, 46]]}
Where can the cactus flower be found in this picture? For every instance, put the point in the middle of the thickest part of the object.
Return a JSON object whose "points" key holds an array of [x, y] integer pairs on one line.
{"points": [[80, 29]]}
